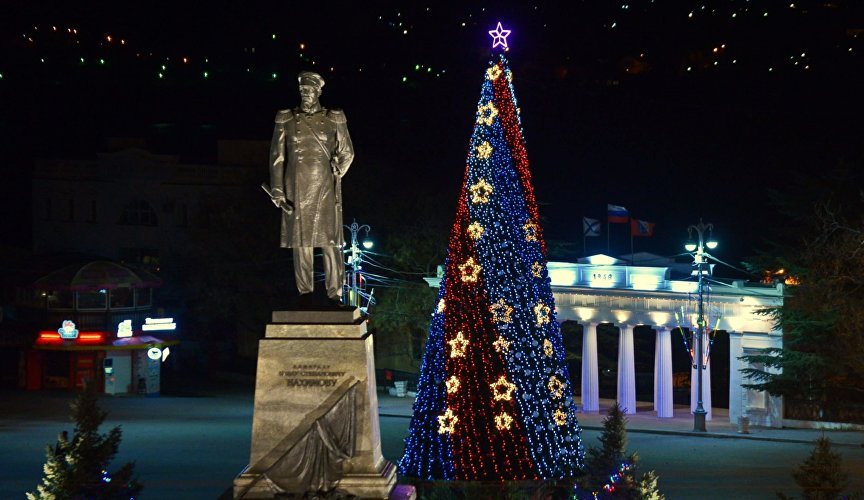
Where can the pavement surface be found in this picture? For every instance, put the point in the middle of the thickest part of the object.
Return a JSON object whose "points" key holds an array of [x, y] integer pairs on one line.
{"points": [[191, 445], [645, 421]]}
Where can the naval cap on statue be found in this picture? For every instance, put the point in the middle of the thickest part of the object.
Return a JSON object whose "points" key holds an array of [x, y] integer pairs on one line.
{"points": [[310, 78]]}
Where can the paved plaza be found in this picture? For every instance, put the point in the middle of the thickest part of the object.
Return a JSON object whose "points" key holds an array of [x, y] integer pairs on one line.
{"points": [[191, 446]]}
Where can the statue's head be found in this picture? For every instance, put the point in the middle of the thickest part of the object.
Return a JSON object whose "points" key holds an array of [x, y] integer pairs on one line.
{"points": [[310, 88]]}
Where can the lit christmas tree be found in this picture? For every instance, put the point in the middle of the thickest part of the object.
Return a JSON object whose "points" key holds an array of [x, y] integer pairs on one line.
{"points": [[493, 401]]}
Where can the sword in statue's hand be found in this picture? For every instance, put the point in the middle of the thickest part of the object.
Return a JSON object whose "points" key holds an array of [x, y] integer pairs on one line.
{"points": [[282, 203]]}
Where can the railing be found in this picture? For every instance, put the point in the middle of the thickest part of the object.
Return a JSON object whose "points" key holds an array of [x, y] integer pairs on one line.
{"points": [[806, 410]]}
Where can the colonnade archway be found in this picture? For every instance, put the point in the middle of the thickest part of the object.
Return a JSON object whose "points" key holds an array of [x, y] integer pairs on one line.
{"points": [[627, 365]]}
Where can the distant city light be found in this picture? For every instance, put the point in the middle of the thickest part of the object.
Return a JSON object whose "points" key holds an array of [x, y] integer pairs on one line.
{"points": [[159, 324], [124, 329]]}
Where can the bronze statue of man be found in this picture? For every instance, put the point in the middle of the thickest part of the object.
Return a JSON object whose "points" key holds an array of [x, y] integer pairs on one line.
{"points": [[310, 152]]}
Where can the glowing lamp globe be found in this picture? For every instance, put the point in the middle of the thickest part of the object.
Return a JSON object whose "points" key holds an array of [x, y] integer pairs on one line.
{"points": [[690, 246]]}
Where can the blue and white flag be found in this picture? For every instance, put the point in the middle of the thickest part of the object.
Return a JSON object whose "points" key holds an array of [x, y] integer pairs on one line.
{"points": [[590, 227]]}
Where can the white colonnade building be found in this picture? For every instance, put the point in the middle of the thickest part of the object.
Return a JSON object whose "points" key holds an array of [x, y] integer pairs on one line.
{"points": [[601, 289]]}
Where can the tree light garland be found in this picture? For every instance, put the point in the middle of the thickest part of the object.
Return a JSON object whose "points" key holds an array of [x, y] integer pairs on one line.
{"points": [[548, 350], [501, 312], [486, 113], [560, 417], [475, 230], [501, 345], [447, 422], [452, 384], [541, 311], [481, 191], [484, 151], [503, 421], [458, 346], [470, 270], [505, 370], [502, 390], [556, 387]]}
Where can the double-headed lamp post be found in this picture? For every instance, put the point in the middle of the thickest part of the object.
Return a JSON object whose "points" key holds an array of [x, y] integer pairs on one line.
{"points": [[355, 259], [700, 263]]}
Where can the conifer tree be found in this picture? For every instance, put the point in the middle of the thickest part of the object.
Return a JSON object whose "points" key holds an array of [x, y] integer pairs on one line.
{"points": [[77, 468], [821, 476], [611, 472], [494, 400]]}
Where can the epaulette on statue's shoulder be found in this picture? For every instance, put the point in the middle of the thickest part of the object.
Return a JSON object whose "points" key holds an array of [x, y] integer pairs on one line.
{"points": [[284, 115], [337, 115]]}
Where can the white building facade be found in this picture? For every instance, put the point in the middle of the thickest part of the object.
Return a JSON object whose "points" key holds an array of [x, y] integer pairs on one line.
{"points": [[604, 290]]}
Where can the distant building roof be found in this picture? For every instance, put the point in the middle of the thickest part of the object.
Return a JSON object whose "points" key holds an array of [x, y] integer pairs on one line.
{"points": [[96, 275]]}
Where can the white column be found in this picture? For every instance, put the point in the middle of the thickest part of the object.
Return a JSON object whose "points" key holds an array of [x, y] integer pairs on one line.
{"points": [[706, 382], [590, 383], [737, 394], [626, 370], [663, 373]]}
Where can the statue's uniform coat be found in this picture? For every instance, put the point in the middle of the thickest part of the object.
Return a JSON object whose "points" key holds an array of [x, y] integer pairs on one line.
{"points": [[308, 176]]}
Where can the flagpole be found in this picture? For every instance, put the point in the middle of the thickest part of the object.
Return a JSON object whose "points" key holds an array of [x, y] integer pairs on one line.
{"points": [[632, 258], [608, 233]]}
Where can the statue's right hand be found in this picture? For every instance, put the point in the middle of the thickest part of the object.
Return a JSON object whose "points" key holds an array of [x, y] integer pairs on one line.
{"points": [[278, 197], [278, 200]]}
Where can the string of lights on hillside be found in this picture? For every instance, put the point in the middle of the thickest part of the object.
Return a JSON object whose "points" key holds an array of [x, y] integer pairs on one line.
{"points": [[57, 47]]}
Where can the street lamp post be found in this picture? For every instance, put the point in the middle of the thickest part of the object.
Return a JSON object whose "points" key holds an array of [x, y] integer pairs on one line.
{"points": [[355, 260], [700, 262]]}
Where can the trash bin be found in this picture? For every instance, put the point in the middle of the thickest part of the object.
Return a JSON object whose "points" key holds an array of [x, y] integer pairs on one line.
{"points": [[743, 424]]}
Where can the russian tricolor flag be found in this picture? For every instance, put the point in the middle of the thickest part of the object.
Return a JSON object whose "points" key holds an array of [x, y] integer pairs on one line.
{"points": [[617, 215]]}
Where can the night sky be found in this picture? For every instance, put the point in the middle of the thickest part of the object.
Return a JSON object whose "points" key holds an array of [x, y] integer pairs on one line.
{"points": [[675, 111]]}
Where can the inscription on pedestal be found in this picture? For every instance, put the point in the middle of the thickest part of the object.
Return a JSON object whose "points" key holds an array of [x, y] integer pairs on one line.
{"points": [[310, 376]]}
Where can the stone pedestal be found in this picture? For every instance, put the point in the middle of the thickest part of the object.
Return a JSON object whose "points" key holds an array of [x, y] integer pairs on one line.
{"points": [[314, 367]]}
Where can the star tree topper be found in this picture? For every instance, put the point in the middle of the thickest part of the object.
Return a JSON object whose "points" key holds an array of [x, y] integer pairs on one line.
{"points": [[499, 37]]}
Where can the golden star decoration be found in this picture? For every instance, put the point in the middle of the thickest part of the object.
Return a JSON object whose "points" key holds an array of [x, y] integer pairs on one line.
{"points": [[542, 311], [530, 231], [447, 422], [493, 73], [452, 384], [537, 270], [475, 230], [486, 113], [470, 270], [480, 191], [556, 387], [559, 417], [484, 151], [501, 312], [458, 346], [502, 390], [441, 306], [503, 421], [501, 345], [548, 350]]}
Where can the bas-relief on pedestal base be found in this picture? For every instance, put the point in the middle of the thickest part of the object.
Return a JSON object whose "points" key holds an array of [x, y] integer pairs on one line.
{"points": [[307, 361]]}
